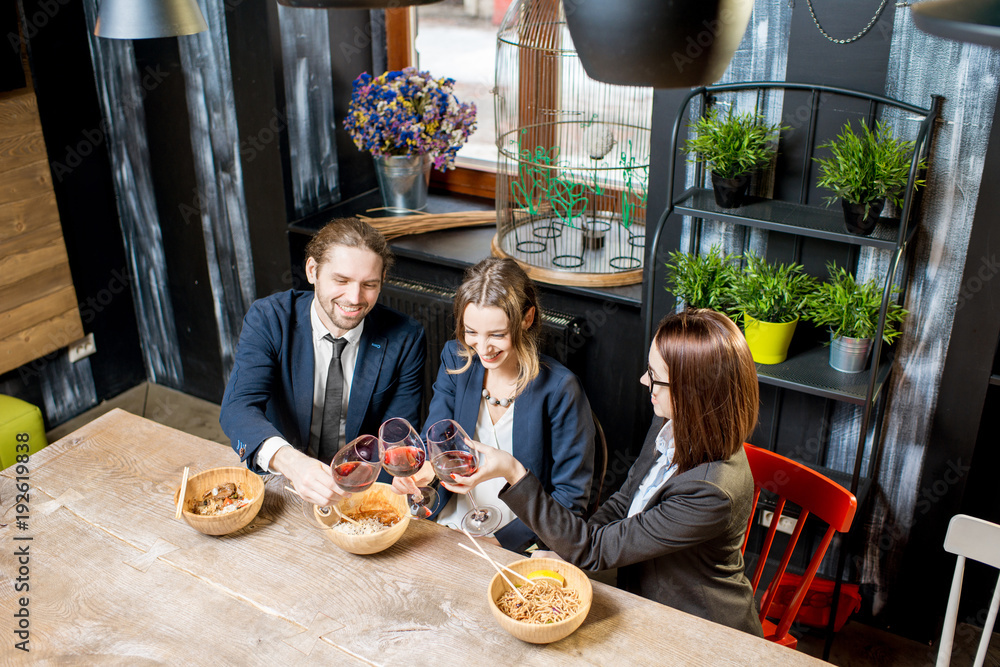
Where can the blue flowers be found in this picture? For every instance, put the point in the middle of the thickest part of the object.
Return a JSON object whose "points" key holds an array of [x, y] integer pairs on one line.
{"points": [[408, 112]]}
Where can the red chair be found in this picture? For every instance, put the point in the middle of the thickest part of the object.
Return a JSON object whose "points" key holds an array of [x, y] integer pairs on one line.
{"points": [[814, 494]]}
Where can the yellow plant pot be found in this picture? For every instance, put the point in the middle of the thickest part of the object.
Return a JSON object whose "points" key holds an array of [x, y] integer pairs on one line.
{"points": [[768, 341]]}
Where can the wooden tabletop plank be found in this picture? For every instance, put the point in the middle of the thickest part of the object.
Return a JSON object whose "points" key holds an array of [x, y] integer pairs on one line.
{"points": [[108, 547], [89, 599]]}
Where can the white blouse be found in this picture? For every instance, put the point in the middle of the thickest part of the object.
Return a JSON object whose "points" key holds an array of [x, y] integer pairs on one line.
{"points": [[501, 436]]}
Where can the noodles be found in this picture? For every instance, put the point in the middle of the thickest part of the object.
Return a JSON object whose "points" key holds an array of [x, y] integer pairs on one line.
{"points": [[546, 603]]}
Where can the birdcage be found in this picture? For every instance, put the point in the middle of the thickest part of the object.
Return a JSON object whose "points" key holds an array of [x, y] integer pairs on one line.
{"points": [[573, 161]]}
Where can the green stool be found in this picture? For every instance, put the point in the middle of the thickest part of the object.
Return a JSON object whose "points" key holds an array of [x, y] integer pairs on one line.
{"points": [[17, 416]]}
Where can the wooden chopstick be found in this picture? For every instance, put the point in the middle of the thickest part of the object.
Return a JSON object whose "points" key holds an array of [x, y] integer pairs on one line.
{"points": [[494, 564], [180, 496], [476, 553], [332, 507]]}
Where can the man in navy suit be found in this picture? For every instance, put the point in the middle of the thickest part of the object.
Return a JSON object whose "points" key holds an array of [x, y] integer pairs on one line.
{"points": [[292, 343]]}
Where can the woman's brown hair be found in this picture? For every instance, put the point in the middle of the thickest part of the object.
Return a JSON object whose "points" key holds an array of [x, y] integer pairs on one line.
{"points": [[502, 283], [713, 385]]}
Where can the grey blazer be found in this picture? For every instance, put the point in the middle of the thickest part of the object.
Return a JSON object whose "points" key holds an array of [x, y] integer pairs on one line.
{"points": [[683, 549]]}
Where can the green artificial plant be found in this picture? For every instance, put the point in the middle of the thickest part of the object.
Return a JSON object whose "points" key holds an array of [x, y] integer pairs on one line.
{"points": [[850, 309], [864, 168], [772, 292], [733, 144], [703, 281]]}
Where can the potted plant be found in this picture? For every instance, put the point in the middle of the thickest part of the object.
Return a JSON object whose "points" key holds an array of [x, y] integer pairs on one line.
{"points": [[771, 297], [850, 311], [703, 281], [733, 146], [408, 120], [864, 170]]}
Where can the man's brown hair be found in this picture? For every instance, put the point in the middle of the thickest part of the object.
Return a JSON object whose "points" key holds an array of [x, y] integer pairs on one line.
{"points": [[351, 233]]}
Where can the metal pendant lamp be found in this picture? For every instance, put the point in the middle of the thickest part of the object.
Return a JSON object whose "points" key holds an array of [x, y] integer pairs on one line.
{"points": [[658, 43], [143, 19], [976, 21], [353, 4]]}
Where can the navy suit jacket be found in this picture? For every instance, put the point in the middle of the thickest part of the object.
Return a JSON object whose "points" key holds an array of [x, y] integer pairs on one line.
{"points": [[553, 431], [270, 391]]}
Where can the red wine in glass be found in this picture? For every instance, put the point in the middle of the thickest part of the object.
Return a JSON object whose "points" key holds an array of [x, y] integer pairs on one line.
{"points": [[354, 468], [403, 454], [452, 455], [354, 476], [453, 463], [403, 461]]}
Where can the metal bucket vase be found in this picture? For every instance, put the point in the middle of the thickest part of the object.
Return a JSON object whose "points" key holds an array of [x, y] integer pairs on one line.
{"points": [[849, 355], [403, 181], [768, 342]]}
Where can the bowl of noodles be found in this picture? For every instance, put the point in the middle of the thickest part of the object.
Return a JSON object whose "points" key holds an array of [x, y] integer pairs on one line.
{"points": [[550, 610], [381, 515], [220, 501]]}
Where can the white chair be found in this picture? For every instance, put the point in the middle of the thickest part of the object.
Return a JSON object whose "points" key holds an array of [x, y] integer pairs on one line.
{"points": [[979, 540]]}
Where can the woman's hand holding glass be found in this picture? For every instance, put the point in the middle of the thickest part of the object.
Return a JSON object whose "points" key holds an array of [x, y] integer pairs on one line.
{"points": [[456, 462], [493, 463]]}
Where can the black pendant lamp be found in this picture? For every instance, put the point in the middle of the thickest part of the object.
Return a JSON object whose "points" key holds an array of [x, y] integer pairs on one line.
{"points": [[353, 4], [658, 43], [143, 19], [976, 21]]}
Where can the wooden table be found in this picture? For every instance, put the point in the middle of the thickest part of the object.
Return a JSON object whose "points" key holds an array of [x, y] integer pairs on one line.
{"points": [[114, 579]]}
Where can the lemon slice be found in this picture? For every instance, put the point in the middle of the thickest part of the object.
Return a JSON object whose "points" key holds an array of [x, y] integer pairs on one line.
{"points": [[548, 575]]}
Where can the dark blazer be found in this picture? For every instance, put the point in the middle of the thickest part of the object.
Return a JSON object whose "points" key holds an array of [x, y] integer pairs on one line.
{"points": [[553, 431], [270, 391], [683, 549]]}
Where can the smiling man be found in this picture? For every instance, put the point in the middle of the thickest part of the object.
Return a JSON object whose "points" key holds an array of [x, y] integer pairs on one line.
{"points": [[314, 370]]}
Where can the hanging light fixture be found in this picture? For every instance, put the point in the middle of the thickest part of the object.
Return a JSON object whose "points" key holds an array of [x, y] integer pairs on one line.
{"points": [[142, 19], [353, 4], [976, 21], [658, 43]]}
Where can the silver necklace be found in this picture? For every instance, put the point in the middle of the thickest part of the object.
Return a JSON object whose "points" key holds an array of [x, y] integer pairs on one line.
{"points": [[864, 31], [502, 402]]}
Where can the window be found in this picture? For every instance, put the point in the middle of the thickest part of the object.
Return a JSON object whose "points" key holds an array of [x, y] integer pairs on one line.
{"points": [[429, 37]]}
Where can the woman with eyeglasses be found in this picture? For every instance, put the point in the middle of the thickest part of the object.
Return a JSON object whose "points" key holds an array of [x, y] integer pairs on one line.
{"points": [[675, 528]]}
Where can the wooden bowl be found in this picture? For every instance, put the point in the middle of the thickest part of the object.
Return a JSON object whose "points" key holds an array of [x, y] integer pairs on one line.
{"points": [[230, 522], [547, 633], [377, 496]]}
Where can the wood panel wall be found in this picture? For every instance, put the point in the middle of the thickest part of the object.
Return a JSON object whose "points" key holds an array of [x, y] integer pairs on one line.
{"points": [[38, 305]]}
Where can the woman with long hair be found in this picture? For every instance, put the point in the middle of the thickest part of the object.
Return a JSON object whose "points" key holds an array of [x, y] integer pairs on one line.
{"points": [[675, 528], [510, 398]]}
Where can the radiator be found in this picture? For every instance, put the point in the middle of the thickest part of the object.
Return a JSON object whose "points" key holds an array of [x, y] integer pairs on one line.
{"points": [[433, 305]]}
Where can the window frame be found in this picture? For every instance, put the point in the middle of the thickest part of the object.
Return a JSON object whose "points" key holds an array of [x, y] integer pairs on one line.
{"points": [[400, 34]]}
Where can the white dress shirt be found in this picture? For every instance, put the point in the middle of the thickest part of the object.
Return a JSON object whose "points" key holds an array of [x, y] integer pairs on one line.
{"points": [[663, 469], [322, 353], [501, 436]]}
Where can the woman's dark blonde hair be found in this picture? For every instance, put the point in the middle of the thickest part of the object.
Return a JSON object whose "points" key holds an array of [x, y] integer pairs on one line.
{"points": [[504, 284], [350, 233], [713, 385]]}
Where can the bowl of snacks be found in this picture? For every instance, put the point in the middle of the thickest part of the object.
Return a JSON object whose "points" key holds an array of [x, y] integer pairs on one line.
{"points": [[547, 606], [220, 501], [376, 519]]}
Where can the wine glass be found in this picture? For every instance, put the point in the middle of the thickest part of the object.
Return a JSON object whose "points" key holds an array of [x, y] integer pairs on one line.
{"points": [[451, 455], [354, 468], [403, 454]]}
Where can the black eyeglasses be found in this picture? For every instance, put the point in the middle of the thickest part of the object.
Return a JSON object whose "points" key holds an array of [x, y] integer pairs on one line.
{"points": [[654, 383]]}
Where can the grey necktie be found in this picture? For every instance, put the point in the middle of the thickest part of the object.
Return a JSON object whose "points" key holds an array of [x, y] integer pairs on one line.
{"points": [[329, 436]]}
